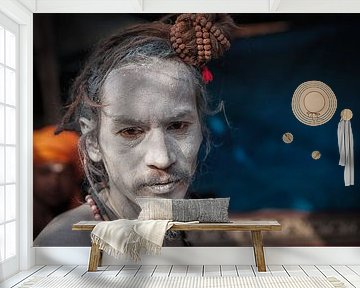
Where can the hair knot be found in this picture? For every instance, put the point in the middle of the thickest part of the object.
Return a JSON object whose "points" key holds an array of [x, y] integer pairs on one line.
{"points": [[198, 38]]}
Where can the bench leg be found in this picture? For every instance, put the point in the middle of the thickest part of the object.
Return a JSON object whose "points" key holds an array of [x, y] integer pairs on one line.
{"points": [[95, 257], [253, 244], [258, 250]]}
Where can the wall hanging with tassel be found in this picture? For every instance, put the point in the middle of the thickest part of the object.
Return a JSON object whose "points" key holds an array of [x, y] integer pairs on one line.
{"points": [[346, 146]]}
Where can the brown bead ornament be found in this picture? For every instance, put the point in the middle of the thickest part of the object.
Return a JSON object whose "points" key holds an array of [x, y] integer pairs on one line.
{"points": [[208, 25], [221, 37], [206, 41], [217, 33]]}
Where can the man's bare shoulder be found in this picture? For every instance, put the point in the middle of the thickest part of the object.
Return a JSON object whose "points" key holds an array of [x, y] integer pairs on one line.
{"points": [[58, 232]]}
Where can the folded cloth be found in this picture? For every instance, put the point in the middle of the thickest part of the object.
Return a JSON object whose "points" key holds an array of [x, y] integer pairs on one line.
{"points": [[130, 237], [346, 150], [125, 237]]}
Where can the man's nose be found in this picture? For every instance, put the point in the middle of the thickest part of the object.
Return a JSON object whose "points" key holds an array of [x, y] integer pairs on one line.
{"points": [[159, 154], [54, 178]]}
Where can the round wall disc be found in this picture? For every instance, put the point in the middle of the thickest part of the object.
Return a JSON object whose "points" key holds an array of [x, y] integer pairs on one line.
{"points": [[287, 137], [346, 114], [316, 155]]}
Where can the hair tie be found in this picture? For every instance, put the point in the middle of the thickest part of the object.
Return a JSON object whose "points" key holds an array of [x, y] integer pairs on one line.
{"points": [[207, 76]]}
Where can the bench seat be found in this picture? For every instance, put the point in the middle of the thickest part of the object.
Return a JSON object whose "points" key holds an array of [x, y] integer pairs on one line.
{"points": [[255, 227]]}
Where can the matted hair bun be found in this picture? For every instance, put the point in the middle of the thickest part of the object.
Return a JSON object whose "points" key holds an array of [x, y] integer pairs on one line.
{"points": [[198, 38]]}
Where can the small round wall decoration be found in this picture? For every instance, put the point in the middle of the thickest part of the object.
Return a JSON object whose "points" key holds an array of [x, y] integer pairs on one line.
{"points": [[316, 155], [346, 114], [287, 137], [313, 103]]}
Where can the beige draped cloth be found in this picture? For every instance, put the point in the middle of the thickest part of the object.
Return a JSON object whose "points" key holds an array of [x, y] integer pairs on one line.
{"points": [[346, 150], [130, 238]]}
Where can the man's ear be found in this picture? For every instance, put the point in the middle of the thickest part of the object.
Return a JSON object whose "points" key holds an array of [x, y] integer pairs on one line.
{"points": [[92, 145]]}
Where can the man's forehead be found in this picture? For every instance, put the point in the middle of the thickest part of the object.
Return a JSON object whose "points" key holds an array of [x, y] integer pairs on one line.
{"points": [[173, 71], [179, 113], [149, 92], [149, 85]]}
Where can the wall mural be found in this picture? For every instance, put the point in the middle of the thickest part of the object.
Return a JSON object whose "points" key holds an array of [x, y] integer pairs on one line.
{"points": [[282, 147]]}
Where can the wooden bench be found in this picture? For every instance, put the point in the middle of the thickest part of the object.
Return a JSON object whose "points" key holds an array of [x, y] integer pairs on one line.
{"points": [[255, 227]]}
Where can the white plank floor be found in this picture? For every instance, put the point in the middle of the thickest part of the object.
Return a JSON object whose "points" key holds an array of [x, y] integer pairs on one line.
{"points": [[348, 274]]}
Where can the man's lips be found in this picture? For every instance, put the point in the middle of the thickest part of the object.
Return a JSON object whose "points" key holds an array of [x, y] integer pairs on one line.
{"points": [[163, 187]]}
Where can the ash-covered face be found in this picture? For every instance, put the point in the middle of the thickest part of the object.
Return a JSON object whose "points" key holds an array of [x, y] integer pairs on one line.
{"points": [[150, 131]]}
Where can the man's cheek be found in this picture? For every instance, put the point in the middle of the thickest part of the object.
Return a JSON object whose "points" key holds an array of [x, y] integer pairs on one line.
{"points": [[190, 149]]}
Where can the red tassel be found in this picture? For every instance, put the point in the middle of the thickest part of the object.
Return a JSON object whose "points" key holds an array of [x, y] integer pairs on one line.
{"points": [[207, 76]]}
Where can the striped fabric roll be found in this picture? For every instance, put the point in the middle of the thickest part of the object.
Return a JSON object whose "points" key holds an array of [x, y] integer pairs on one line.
{"points": [[212, 210]]}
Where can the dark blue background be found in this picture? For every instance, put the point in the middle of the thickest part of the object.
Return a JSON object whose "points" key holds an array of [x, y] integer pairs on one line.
{"points": [[249, 161]]}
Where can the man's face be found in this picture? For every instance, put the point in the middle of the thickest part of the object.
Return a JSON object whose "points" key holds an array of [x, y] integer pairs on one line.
{"points": [[54, 183], [150, 132]]}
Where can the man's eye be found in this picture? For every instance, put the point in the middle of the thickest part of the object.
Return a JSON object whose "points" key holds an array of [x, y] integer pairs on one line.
{"points": [[132, 132], [178, 126]]}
